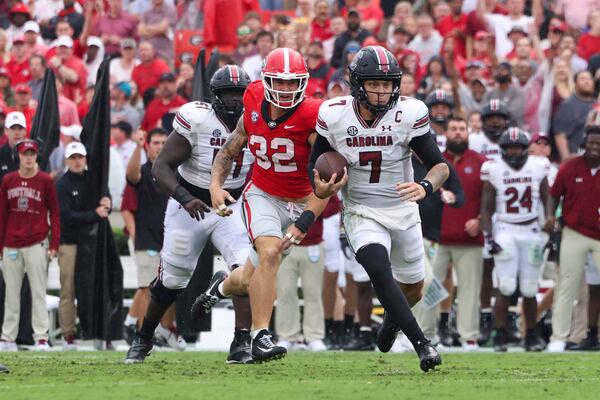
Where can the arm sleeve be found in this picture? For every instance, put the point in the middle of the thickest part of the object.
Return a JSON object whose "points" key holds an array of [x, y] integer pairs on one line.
{"points": [[427, 150], [54, 209], [68, 215], [320, 146], [453, 184]]}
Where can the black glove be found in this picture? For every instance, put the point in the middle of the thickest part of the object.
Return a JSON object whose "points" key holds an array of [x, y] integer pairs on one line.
{"points": [[553, 246], [493, 247]]}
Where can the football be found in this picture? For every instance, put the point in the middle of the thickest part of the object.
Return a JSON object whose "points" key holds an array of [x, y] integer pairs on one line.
{"points": [[331, 163]]}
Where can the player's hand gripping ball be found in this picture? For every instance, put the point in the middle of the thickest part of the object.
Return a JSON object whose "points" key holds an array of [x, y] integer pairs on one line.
{"points": [[331, 163]]}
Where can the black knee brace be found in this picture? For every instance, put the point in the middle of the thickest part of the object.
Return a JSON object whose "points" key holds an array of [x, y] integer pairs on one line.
{"points": [[162, 294]]}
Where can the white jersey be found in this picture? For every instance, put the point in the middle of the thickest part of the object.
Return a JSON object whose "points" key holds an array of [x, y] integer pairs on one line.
{"points": [[517, 192], [441, 140], [198, 123], [378, 156], [480, 143]]}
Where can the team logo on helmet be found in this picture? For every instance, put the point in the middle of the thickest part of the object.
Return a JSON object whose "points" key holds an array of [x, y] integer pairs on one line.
{"points": [[254, 117], [352, 130]]}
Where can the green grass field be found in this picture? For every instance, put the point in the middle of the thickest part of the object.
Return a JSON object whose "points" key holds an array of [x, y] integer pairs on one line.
{"points": [[169, 375]]}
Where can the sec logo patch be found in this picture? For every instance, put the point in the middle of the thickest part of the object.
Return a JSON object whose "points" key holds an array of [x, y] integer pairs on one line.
{"points": [[254, 117]]}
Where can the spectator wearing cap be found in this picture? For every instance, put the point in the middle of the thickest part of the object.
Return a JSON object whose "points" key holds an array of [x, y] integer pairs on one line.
{"points": [[120, 134], [354, 32], [454, 26], [500, 25], [166, 101], [350, 51], [321, 23], [402, 17], [147, 74], [507, 91], [37, 67], [401, 38], [568, 124], [27, 202], [68, 135], [93, 57], [472, 90], [18, 15], [120, 109], [122, 67], [427, 42], [64, 28], [319, 70], [265, 42], [69, 68], [24, 104], [540, 146], [589, 43], [578, 185], [245, 47], [18, 66], [156, 27], [73, 215], [114, 26], [556, 29], [33, 42], [15, 129], [482, 51], [6, 92]]}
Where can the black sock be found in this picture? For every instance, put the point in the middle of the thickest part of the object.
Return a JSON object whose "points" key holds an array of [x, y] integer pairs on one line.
{"points": [[338, 327], [328, 326], [593, 332], [154, 314], [444, 318], [374, 259], [348, 322]]}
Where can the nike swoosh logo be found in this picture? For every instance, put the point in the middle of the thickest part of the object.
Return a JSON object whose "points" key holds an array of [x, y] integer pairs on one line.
{"points": [[289, 126], [263, 349]]}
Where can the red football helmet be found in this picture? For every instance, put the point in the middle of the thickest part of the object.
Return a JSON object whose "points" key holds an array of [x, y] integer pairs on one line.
{"points": [[285, 64]]}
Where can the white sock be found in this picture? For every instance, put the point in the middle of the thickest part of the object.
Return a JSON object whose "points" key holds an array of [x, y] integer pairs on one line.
{"points": [[254, 333], [486, 310], [131, 320]]}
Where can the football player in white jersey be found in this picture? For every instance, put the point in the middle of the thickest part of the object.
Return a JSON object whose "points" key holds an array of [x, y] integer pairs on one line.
{"points": [[515, 187], [495, 119], [376, 130], [441, 107], [183, 170]]}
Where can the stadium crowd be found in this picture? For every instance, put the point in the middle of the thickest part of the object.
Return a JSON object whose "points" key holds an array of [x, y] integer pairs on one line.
{"points": [[481, 66]]}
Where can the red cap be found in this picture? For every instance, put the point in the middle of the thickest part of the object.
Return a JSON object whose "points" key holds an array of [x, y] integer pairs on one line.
{"points": [[559, 26], [481, 35], [539, 136], [26, 145], [19, 8], [19, 39], [22, 88]]}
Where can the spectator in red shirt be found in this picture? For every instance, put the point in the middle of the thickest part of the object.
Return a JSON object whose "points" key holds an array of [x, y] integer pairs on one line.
{"points": [[69, 68], [27, 199], [454, 26], [24, 104], [18, 66], [166, 102], [32, 40], [578, 184], [589, 43], [114, 26], [556, 30], [64, 28], [66, 108], [147, 74], [320, 25], [319, 70]]}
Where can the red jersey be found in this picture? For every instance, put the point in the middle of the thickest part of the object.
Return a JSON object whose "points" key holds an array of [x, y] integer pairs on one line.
{"points": [[146, 76], [18, 71], [24, 207], [581, 196], [281, 147], [157, 109], [587, 46]]}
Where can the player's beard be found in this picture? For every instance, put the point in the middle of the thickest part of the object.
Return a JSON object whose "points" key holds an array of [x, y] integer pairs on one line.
{"points": [[457, 146]]}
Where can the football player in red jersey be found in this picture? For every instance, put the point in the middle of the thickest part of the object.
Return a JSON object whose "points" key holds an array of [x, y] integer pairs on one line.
{"points": [[278, 126]]}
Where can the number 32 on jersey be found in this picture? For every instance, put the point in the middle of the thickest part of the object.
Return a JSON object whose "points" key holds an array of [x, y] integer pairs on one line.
{"points": [[276, 153]]}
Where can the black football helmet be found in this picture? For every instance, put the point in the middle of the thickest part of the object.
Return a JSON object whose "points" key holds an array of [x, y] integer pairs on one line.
{"points": [[229, 77], [374, 63], [514, 137], [439, 96], [493, 130]]}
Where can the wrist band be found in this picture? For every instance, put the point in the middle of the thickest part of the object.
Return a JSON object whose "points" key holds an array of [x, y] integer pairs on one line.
{"points": [[318, 197], [305, 220], [427, 186], [182, 195]]}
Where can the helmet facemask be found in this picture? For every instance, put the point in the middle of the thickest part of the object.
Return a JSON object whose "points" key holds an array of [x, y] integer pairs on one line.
{"points": [[274, 96], [228, 104], [494, 130], [517, 160], [360, 93]]}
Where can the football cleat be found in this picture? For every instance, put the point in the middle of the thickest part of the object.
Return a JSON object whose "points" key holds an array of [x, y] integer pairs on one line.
{"points": [[513, 334], [264, 350], [500, 341], [207, 300], [533, 341], [129, 333], [485, 328], [362, 342], [386, 334], [429, 357], [590, 343], [239, 351], [139, 350], [446, 338]]}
